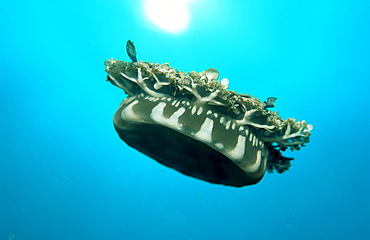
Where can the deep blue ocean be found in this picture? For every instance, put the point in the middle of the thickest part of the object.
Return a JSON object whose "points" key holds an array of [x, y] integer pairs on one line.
{"points": [[66, 175]]}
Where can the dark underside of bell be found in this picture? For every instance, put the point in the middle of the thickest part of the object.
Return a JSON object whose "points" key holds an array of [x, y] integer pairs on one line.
{"points": [[184, 154]]}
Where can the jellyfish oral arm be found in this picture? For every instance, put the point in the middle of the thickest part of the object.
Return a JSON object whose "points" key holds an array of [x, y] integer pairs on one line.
{"points": [[296, 134], [140, 82]]}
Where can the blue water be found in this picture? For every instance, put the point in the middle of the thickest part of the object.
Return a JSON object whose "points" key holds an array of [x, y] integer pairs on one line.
{"points": [[65, 174]]}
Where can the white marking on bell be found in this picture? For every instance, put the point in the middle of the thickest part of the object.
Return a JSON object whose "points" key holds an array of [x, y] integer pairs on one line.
{"points": [[157, 113], [237, 153], [219, 145], [200, 110], [187, 104], [254, 167], [205, 131], [128, 113], [250, 137], [227, 126], [173, 102], [157, 116], [222, 120], [209, 112], [241, 128], [193, 109], [177, 104], [254, 141], [174, 119], [215, 115], [169, 99], [233, 126]]}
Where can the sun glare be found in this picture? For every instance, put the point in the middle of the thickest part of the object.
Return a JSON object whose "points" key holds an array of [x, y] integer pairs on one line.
{"points": [[170, 15]]}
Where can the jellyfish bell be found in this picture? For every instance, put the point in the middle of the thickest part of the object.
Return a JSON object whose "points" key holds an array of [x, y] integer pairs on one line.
{"points": [[198, 127]]}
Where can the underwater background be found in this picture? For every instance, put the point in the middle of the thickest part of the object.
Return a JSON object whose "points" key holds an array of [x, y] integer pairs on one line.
{"points": [[65, 174]]}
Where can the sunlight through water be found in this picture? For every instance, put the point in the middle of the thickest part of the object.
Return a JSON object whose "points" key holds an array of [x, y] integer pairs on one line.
{"points": [[169, 15]]}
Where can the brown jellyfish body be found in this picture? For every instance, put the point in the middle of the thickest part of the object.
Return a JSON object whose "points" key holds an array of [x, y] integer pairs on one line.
{"points": [[198, 127]]}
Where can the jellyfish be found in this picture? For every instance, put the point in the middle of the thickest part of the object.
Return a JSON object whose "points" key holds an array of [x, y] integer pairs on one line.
{"points": [[192, 123]]}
